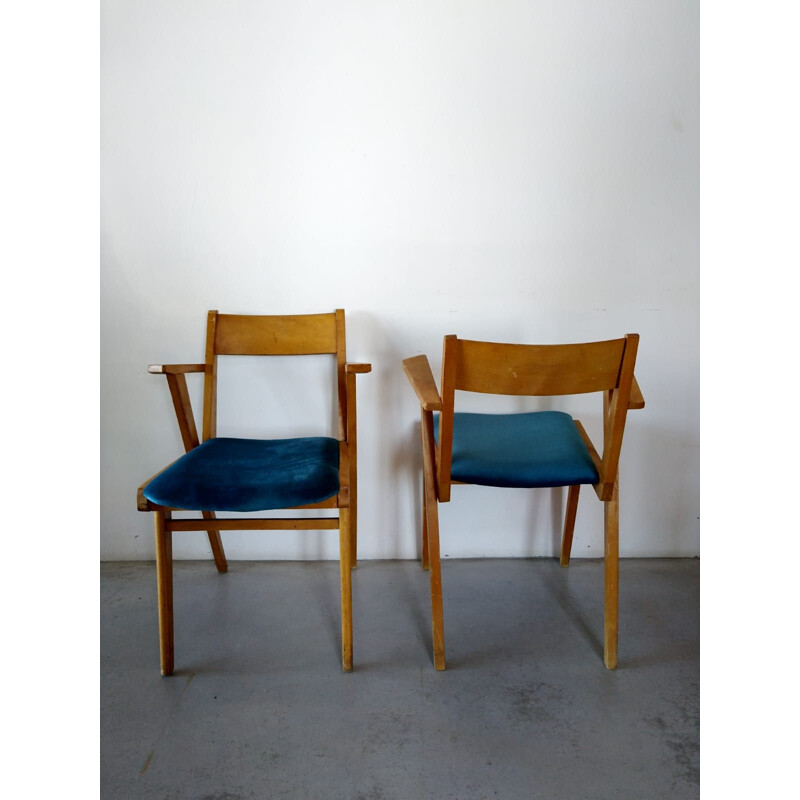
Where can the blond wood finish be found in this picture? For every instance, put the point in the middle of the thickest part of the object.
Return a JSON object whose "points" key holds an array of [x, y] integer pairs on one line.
{"points": [[569, 523], [425, 560], [345, 577], [617, 414], [611, 577], [210, 382], [175, 369], [183, 411], [343, 498], [341, 381], [501, 368], [308, 334], [257, 524], [444, 451], [554, 369], [352, 445], [432, 538], [419, 374], [166, 633], [637, 399], [230, 334]]}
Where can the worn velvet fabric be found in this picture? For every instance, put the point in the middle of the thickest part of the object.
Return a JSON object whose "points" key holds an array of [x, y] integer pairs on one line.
{"points": [[540, 448], [227, 474]]}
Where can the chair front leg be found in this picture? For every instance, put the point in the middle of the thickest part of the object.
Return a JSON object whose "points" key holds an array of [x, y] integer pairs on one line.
{"points": [[435, 566], [425, 559], [611, 570], [345, 568], [166, 631], [431, 533], [569, 523]]}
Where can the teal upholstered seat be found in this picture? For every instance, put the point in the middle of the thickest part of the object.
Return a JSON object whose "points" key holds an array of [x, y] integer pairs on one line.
{"points": [[227, 474], [541, 448]]}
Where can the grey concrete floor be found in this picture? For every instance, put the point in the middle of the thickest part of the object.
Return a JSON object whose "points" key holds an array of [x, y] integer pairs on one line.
{"points": [[258, 706]]}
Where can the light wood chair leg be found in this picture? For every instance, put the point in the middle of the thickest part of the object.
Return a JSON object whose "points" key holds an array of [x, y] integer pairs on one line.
{"points": [[425, 560], [353, 518], [611, 563], [569, 523], [437, 615], [435, 565], [215, 540], [345, 568], [164, 578]]}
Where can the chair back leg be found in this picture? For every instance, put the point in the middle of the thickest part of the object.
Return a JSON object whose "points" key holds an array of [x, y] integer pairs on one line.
{"points": [[215, 540], [345, 568], [166, 632], [569, 523], [425, 560], [431, 535], [611, 570]]}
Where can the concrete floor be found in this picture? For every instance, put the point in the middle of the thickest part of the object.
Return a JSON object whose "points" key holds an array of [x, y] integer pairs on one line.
{"points": [[259, 708]]}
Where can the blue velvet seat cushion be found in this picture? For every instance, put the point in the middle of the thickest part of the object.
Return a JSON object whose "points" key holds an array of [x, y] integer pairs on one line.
{"points": [[250, 475], [540, 448]]}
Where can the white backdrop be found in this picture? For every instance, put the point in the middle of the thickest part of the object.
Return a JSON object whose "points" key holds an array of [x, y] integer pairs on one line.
{"points": [[513, 171]]}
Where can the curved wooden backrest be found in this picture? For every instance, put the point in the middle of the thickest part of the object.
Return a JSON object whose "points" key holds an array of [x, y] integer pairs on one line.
{"points": [[241, 335], [539, 370], [529, 369], [275, 335]]}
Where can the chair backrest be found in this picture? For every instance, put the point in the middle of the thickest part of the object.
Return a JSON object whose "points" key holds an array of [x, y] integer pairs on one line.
{"points": [[539, 370], [280, 335]]}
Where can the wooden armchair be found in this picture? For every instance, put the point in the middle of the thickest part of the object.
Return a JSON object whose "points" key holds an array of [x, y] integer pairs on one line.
{"points": [[539, 449], [228, 474]]}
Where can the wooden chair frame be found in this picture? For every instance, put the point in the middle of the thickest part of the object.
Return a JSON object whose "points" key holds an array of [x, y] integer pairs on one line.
{"points": [[228, 334], [533, 370]]}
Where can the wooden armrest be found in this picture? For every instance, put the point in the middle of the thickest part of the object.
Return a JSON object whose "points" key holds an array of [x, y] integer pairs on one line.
{"points": [[358, 368], [419, 374], [175, 369], [636, 399]]}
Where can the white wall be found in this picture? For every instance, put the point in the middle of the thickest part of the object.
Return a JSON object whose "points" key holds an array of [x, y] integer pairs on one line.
{"points": [[515, 171]]}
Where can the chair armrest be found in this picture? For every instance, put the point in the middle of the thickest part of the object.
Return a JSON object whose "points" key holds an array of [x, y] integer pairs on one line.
{"points": [[418, 372], [175, 369], [176, 380], [636, 399], [358, 368]]}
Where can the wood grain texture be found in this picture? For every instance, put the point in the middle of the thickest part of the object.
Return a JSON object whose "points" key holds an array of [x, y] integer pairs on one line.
{"points": [[418, 372], [536, 370], [346, 590], [341, 379], [358, 369], [433, 551], [444, 451], [637, 399], [210, 382], [252, 335], [175, 369], [611, 578], [352, 450], [166, 632], [618, 411], [569, 523]]}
